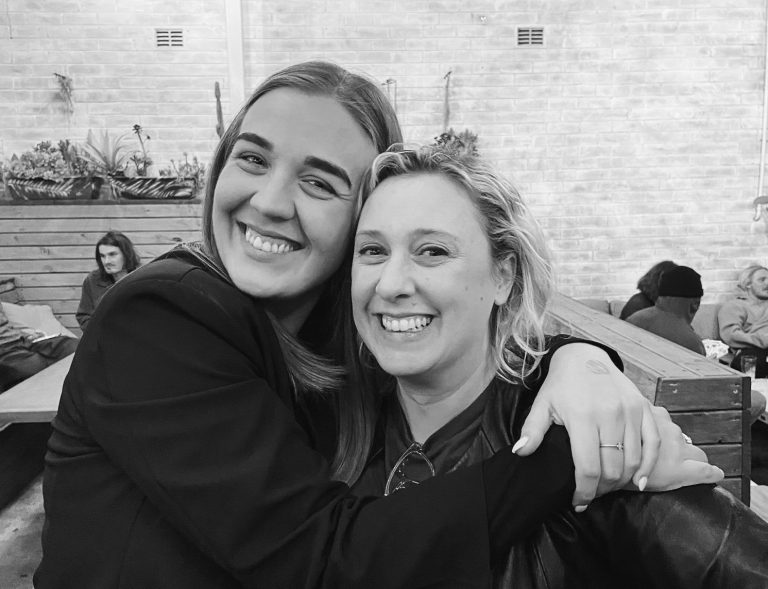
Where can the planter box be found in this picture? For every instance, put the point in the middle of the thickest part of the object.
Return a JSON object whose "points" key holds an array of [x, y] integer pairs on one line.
{"points": [[73, 188], [153, 188]]}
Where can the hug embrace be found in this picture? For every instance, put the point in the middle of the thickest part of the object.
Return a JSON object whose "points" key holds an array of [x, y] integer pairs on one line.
{"points": [[326, 392]]}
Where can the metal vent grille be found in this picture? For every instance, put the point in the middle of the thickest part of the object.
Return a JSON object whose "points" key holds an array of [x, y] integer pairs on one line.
{"points": [[169, 37], [530, 36]]}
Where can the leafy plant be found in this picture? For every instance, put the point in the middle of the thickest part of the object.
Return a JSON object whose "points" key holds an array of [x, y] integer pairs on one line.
{"points": [[49, 161], [108, 155], [141, 158], [186, 170], [464, 142]]}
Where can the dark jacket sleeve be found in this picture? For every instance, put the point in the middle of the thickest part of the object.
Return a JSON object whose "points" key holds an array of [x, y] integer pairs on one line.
{"points": [[697, 537], [195, 411], [87, 304]]}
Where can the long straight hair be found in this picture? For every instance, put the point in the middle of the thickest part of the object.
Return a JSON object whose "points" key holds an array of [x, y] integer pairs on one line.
{"points": [[125, 245], [310, 372]]}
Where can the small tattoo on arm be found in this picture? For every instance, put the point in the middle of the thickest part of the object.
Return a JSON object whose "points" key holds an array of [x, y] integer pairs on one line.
{"points": [[597, 367]]}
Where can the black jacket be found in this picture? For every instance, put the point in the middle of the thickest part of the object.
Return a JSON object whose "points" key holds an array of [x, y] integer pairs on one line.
{"points": [[177, 461], [698, 537]]}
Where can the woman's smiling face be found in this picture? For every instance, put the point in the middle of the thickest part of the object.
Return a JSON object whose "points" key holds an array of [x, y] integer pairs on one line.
{"points": [[284, 203], [423, 279]]}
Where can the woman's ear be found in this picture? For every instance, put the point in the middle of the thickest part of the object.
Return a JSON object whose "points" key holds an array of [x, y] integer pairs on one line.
{"points": [[505, 279]]}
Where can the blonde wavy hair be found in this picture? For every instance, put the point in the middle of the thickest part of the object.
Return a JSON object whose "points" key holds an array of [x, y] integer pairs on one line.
{"points": [[745, 277], [517, 245]]}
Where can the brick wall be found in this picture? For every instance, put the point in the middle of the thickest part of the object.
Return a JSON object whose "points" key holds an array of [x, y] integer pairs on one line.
{"points": [[634, 131]]}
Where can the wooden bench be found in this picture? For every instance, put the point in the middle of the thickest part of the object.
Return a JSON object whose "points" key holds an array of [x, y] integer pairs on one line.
{"points": [[709, 401], [49, 247], [36, 399], [26, 411]]}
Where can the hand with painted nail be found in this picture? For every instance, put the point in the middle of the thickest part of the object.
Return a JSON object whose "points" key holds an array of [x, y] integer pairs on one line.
{"points": [[680, 463], [601, 409]]}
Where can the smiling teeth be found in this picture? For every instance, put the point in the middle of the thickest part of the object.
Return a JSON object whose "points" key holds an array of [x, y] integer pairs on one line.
{"points": [[416, 323], [265, 245]]}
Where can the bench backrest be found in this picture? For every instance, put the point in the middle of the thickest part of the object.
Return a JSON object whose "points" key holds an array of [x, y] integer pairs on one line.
{"points": [[49, 248]]}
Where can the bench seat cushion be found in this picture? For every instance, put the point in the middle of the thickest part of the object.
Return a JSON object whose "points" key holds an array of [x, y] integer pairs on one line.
{"points": [[38, 317]]}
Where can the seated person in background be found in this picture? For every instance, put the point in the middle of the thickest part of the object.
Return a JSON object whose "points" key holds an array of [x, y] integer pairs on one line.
{"points": [[743, 325], [115, 257], [450, 282], [679, 297], [743, 320], [24, 352], [648, 286]]}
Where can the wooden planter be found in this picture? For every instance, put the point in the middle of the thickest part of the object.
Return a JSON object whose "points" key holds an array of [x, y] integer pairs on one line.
{"points": [[153, 188], [72, 188]]}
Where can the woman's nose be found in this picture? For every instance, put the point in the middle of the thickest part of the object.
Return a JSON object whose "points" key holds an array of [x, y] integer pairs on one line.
{"points": [[396, 279], [274, 197]]}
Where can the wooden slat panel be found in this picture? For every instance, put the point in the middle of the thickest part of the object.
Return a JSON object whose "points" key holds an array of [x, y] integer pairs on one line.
{"points": [[90, 238], [726, 456], [74, 251], [62, 307], [18, 267], [99, 209], [648, 351], [737, 487], [711, 427], [50, 293], [708, 393], [126, 225], [55, 279]]}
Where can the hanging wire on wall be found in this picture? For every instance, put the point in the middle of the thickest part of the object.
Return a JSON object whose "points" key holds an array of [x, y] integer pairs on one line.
{"points": [[447, 100], [391, 85], [760, 203]]}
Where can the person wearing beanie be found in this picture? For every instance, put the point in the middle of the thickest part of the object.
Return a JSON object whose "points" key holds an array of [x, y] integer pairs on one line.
{"points": [[648, 287], [679, 298]]}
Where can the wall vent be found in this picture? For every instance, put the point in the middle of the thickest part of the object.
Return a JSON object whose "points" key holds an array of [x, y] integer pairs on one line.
{"points": [[169, 37], [530, 36]]}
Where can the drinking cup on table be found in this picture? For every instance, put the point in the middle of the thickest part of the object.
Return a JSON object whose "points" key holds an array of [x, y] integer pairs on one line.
{"points": [[748, 366]]}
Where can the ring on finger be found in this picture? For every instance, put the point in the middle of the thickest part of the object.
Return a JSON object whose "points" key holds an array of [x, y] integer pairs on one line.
{"points": [[617, 446]]}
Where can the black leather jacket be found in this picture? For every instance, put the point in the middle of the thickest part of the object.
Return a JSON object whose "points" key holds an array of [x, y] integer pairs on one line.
{"points": [[696, 537]]}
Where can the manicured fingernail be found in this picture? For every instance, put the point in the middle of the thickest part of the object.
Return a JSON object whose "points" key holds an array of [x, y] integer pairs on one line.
{"points": [[642, 482], [580, 508], [519, 444]]}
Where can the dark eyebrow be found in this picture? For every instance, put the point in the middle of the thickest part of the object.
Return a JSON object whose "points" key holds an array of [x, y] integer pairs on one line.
{"points": [[257, 139], [328, 167], [419, 232]]}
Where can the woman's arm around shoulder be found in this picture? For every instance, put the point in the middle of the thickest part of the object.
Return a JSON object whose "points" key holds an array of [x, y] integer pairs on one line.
{"points": [[197, 412]]}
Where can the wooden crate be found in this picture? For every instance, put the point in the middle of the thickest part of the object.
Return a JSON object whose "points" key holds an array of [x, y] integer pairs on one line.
{"points": [[709, 401], [49, 248]]}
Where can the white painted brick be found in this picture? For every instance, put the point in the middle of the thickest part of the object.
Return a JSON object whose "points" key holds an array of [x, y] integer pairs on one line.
{"points": [[634, 132]]}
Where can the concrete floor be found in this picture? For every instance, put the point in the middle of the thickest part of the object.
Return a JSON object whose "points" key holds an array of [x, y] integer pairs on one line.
{"points": [[21, 524]]}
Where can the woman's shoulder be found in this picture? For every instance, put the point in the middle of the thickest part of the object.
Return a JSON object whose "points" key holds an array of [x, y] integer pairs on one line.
{"points": [[93, 277], [180, 286], [174, 272]]}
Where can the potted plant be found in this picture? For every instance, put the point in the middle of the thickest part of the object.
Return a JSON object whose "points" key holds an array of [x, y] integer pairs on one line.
{"points": [[51, 172], [107, 154], [191, 173], [464, 142], [178, 182]]}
